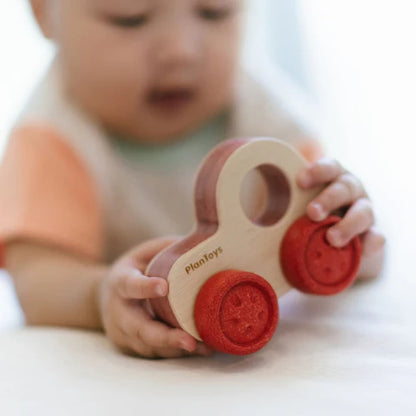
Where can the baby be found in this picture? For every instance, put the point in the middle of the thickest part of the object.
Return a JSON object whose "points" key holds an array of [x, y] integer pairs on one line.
{"points": [[100, 164]]}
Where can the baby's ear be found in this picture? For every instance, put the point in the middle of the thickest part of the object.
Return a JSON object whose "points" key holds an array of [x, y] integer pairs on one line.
{"points": [[42, 13]]}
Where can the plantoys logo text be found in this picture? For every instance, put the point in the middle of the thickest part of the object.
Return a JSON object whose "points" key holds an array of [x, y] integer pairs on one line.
{"points": [[191, 267]]}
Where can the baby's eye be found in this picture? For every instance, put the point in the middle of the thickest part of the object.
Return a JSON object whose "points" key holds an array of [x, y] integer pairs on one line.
{"points": [[129, 21], [213, 14]]}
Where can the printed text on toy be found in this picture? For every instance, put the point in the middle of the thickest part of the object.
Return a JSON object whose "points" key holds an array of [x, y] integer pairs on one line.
{"points": [[203, 260]]}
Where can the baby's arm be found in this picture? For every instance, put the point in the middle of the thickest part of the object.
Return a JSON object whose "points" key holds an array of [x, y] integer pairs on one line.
{"points": [[57, 288], [54, 287]]}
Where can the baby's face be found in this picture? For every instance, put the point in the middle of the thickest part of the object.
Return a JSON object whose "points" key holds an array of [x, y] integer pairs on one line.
{"points": [[149, 69]]}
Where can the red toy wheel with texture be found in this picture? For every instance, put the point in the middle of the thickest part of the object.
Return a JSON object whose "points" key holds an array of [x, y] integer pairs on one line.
{"points": [[236, 312], [311, 264]]}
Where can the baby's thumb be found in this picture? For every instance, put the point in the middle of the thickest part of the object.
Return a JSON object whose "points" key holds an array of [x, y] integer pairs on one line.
{"points": [[132, 284]]}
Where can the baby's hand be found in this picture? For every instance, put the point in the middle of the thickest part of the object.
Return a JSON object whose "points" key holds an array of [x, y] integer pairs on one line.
{"points": [[343, 190], [126, 314]]}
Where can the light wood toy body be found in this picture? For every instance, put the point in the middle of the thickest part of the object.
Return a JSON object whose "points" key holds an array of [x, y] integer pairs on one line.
{"points": [[225, 239]]}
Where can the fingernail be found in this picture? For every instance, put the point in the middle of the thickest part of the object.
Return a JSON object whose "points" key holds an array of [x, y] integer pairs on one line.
{"points": [[335, 237], [184, 345], [161, 290], [320, 214]]}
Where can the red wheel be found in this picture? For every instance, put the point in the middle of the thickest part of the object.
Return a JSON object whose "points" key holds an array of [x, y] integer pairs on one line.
{"points": [[236, 312], [311, 264]]}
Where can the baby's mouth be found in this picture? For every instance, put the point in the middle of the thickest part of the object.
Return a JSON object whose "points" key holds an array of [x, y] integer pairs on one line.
{"points": [[171, 99]]}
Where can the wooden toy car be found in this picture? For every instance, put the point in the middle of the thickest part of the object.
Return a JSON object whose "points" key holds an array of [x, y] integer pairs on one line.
{"points": [[226, 275]]}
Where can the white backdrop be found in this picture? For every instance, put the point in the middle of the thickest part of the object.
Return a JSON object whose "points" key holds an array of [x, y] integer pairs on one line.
{"points": [[24, 55]]}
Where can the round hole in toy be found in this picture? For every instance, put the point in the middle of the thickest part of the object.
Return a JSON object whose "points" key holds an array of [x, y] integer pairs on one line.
{"points": [[269, 185]]}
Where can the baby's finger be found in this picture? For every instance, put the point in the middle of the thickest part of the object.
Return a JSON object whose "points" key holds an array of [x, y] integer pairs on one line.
{"points": [[323, 171], [203, 349], [132, 284], [159, 335], [156, 353], [168, 341], [358, 219], [344, 191], [138, 347], [139, 324], [176, 353], [372, 242], [170, 353]]}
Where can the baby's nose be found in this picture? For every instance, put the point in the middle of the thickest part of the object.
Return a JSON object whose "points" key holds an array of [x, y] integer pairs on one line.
{"points": [[180, 45]]}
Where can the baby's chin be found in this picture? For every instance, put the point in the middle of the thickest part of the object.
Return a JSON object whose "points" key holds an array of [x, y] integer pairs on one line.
{"points": [[155, 134], [161, 130]]}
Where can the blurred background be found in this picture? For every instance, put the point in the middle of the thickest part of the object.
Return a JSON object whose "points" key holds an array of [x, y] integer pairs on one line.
{"points": [[347, 68]]}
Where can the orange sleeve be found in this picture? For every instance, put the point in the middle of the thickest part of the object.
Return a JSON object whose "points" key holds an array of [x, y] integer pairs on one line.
{"points": [[311, 150], [47, 194]]}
